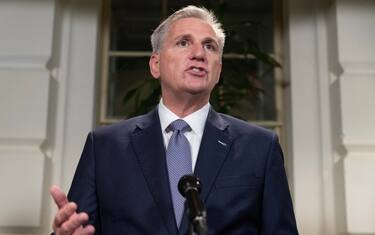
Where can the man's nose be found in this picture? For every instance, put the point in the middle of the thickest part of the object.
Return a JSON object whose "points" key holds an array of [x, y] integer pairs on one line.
{"points": [[198, 53]]}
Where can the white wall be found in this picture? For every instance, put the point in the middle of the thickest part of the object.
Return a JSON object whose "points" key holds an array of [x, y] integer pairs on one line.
{"points": [[354, 139], [48, 53], [330, 49], [25, 47], [307, 96]]}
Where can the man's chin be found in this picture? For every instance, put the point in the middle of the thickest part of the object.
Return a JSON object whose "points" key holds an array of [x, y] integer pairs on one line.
{"points": [[198, 92]]}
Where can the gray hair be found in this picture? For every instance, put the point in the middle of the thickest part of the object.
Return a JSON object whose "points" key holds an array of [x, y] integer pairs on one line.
{"points": [[202, 13]]}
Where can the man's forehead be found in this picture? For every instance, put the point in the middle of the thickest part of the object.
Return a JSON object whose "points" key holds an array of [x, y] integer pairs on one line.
{"points": [[191, 25]]}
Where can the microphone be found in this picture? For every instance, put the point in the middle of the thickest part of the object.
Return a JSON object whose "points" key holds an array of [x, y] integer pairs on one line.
{"points": [[190, 186]]}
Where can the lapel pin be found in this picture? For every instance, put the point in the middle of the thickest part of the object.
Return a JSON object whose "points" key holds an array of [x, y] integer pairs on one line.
{"points": [[222, 143]]}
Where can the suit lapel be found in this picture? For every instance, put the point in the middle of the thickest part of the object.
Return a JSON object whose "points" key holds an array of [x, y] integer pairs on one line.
{"points": [[213, 150], [147, 141]]}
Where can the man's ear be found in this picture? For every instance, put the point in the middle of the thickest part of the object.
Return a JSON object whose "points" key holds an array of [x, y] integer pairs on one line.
{"points": [[219, 72], [155, 65]]}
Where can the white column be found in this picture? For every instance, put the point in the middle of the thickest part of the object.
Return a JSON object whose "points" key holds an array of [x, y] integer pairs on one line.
{"points": [[48, 68], [310, 160], [25, 48], [331, 53], [353, 69], [72, 94]]}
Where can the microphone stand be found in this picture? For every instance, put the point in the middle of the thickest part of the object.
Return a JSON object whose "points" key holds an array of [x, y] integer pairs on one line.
{"points": [[195, 229], [190, 187], [197, 221]]}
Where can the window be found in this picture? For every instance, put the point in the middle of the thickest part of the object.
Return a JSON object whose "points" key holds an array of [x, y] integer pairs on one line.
{"points": [[127, 26]]}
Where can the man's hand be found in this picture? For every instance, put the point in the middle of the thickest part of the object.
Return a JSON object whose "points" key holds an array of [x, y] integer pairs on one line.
{"points": [[67, 221]]}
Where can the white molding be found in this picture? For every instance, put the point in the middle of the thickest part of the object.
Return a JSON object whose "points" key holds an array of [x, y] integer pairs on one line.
{"points": [[23, 62], [80, 84], [55, 143], [306, 87], [326, 149], [26, 28], [57, 129], [357, 68], [353, 96], [21, 177], [336, 71], [72, 94], [359, 149], [20, 142], [359, 171], [352, 69]]}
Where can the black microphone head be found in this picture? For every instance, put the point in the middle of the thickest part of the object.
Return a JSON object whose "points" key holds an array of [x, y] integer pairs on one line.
{"points": [[188, 182]]}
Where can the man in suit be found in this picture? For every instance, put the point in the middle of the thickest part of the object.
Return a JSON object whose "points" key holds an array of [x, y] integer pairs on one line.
{"points": [[124, 181]]}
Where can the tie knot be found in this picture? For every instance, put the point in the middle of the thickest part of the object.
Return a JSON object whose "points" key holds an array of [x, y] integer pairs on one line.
{"points": [[178, 125]]}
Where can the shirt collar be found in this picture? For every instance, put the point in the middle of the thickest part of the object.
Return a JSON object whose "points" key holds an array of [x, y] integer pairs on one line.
{"points": [[196, 120]]}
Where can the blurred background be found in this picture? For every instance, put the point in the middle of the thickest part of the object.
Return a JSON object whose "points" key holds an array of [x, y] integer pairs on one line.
{"points": [[304, 69]]}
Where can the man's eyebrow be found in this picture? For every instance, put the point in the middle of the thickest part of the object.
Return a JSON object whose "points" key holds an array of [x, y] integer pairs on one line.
{"points": [[183, 36], [189, 36]]}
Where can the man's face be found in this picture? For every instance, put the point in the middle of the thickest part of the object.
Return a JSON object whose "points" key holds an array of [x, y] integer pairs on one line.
{"points": [[189, 62]]}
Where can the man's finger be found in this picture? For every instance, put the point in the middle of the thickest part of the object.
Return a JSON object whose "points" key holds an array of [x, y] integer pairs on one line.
{"points": [[74, 223], [58, 196], [87, 230], [64, 213]]}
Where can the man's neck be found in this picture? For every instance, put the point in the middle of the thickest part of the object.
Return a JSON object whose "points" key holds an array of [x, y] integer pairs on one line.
{"points": [[184, 108]]}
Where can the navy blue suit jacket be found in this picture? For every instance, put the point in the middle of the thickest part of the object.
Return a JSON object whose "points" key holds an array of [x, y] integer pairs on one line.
{"points": [[122, 180]]}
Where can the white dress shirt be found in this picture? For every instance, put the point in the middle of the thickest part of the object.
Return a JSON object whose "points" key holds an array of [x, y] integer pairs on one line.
{"points": [[196, 121]]}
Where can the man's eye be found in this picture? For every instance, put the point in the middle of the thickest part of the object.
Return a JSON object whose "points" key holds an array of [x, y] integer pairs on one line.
{"points": [[210, 47], [182, 43]]}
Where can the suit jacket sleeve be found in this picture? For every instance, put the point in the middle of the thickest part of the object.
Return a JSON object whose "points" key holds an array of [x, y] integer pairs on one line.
{"points": [[83, 188], [277, 209]]}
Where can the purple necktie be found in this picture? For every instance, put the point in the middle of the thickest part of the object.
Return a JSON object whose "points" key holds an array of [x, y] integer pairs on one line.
{"points": [[179, 163]]}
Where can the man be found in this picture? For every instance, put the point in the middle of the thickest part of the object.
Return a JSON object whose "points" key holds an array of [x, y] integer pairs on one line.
{"points": [[125, 182]]}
